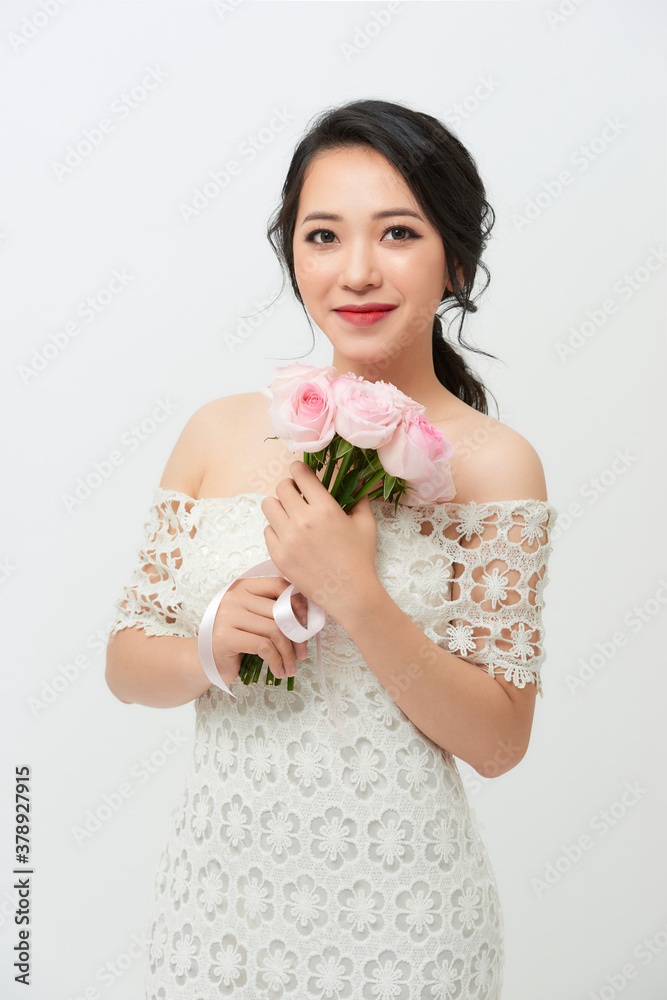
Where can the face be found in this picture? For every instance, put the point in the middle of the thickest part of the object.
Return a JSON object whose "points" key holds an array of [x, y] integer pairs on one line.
{"points": [[397, 260]]}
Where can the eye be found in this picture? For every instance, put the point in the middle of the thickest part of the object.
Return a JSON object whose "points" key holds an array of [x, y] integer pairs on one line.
{"points": [[411, 233], [310, 238]]}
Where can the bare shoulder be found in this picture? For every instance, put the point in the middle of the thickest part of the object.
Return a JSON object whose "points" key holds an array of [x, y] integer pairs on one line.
{"points": [[494, 462], [202, 438]]}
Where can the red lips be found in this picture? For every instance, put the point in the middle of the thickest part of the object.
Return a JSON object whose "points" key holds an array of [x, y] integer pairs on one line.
{"points": [[367, 307]]}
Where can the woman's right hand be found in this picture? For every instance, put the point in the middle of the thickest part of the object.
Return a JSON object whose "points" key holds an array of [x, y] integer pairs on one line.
{"points": [[244, 623]]}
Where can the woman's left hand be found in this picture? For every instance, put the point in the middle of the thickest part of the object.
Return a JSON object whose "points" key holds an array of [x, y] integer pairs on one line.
{"points": [[327, 554]]}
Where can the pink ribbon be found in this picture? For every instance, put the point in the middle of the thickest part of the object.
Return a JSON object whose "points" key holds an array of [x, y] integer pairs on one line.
{"points": [[286, 621]]}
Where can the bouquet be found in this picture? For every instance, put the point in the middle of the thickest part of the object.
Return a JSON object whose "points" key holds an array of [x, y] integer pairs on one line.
{"points": [[385, 445]]}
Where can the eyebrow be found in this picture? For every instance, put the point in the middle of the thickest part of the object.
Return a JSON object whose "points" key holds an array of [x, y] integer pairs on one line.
{"points": [[387, 213]]}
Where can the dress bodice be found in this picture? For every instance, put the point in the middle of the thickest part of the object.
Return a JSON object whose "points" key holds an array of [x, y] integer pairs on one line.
{"points": [[471, 576]]}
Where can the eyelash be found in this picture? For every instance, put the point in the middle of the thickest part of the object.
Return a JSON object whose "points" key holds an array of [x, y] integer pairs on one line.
{"points": [[413, 235]]}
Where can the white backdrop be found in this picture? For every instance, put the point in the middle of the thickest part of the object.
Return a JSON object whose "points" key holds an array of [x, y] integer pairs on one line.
{"points": [[122, 310]]}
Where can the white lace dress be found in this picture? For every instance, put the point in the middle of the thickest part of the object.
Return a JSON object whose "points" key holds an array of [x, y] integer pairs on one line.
{"points": [[298, 865]]}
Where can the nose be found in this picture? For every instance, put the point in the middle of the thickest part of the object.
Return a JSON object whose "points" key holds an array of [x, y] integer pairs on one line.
{"points": [[358, 267]]}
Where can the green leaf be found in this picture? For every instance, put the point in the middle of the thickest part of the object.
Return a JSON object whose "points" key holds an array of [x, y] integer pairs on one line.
{"points": [[388, 486], [349, 485], [343, 448]]}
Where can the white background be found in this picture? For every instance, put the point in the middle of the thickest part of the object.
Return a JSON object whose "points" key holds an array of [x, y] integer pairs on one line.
{"points": [[553, 82]]}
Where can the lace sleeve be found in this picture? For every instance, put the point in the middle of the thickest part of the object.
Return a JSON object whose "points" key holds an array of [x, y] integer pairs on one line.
{"points": [[498, 580], [150, 600]]}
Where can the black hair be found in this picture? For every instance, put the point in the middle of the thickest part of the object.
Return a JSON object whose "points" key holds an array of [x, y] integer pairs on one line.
{"points": [[445, 182]]}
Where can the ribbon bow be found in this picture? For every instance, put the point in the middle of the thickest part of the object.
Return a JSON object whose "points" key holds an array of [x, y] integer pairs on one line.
{"points": [[286, 621]]}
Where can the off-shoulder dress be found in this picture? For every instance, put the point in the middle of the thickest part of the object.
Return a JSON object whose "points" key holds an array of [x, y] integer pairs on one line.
{"points": [[298, 864]]}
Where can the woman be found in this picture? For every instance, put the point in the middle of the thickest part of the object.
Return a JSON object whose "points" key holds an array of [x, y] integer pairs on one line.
{"points": [[300, 864]]}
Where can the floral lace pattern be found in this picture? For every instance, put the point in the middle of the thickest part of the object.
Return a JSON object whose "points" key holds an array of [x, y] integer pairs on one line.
{"points": [[298, 864]]}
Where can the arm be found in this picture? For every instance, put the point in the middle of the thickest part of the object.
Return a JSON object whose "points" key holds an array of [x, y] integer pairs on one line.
{"points": [[458, 706], [476, 714], [145, 664], [159, 671]]}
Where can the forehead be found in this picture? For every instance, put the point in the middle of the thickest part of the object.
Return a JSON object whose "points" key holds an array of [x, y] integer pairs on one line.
{"points": [[352, 174]]}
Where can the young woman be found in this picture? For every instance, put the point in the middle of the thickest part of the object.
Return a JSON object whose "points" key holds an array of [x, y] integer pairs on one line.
{"points": [[300, 864]]}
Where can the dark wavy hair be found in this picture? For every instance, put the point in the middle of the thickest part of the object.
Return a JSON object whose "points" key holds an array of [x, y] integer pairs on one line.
{"points": [[444, 180]]}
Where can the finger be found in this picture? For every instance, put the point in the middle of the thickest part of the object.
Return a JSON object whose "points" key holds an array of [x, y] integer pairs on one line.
{"points": [[259, 599], [260, 645], [260, 606], [290, 498], [267, 586], [266, 627], [274, 511], [311, 488]]}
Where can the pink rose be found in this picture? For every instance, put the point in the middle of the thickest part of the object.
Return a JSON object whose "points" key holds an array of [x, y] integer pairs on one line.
{"points": [[403, 402], [436, 490], [308, 415], [366, 414], [285, 374], [285, 381], [419, 453]]}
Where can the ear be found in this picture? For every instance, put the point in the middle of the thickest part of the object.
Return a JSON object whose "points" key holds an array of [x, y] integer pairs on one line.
{"points": [[460, 275]]}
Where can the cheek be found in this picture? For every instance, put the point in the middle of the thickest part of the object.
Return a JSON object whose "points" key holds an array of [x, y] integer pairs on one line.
{"points": [[311, 275], [304, 266], [428, 280], [422, 286]]}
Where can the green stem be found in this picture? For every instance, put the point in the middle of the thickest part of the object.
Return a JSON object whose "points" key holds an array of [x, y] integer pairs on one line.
{"points": [[377, 493], [326, 478], [367, 488], [341, 472]]}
